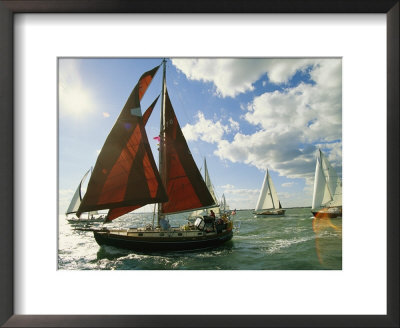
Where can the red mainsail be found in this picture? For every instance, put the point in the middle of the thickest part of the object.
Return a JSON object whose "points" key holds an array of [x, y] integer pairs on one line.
{"points": [[185, 186], [125, 173]]}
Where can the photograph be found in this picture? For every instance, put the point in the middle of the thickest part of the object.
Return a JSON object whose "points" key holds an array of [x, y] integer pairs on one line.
{"points": [[155, 154], [199, 163]]}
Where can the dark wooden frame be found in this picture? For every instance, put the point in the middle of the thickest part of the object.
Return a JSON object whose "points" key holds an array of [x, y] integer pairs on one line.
{"points": [[7, 10]]}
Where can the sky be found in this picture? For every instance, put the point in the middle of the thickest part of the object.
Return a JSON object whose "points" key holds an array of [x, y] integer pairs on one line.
{"points": [[244, 115]]}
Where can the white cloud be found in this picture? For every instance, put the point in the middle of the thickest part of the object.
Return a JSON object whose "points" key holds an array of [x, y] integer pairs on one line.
{"points": [[292, 124], [232, 190], [234, 126], [240, 198], [232, 76], [287, 184], [207, 130], [76, 100], [204, 129], [228, 186]]}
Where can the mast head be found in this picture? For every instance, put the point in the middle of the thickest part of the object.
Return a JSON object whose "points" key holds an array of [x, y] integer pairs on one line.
{"points": [[318, 153]]}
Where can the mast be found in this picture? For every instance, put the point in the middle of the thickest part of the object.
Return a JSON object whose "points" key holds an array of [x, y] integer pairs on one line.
{"points": [[205, 171], [91, 172], [161, 160], [185, 187]]}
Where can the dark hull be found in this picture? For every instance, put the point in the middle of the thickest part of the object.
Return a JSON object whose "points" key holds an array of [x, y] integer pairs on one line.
{"points": [[326, 215], [330, 213], [275, 212], [76, 221], [162, 244]]}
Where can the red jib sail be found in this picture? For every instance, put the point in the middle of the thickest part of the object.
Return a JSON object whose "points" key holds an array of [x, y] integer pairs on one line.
{"points": [[117, 212], [185, 186], [125, 173]]}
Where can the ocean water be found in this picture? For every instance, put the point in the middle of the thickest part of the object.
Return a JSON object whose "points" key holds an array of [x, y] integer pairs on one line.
{"points": [[296, 241]]}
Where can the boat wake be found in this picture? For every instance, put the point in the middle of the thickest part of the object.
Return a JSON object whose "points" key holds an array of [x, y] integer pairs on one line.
{"points": [[277, 245]]}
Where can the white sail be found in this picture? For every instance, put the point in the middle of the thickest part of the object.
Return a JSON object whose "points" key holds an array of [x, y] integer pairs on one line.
{"points": [[274, 195], [77, 198], [208, 182], [216, 209], [222, 206], [327, 184], [268, 198]]}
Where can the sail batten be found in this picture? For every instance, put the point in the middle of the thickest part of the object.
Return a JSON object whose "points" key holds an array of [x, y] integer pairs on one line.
{"points": [[125, 173]]}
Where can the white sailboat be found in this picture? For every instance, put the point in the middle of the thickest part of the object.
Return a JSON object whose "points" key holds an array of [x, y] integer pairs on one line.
{"points": [[210, 187], [268, 202], [224, 207], [327, 197], [76, 202]]}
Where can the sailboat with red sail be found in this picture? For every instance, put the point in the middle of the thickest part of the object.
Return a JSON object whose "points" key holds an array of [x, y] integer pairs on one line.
{"points": [[126, 177]]}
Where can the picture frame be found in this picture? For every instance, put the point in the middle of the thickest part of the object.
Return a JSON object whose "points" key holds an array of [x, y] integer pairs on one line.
{"points": [[7, 201]]}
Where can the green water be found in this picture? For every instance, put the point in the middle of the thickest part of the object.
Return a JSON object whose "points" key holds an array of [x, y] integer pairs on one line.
{"points": [[296, 241]]}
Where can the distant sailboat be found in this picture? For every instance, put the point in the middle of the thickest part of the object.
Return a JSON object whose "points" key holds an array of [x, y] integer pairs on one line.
{"points": [[224, 207], [75, 203], [268, 202], [327, 197], [210, 187], [126, 177]]}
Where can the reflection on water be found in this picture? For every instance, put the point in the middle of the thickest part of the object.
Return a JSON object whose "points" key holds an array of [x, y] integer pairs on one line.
{"points": [[328, 240]]}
